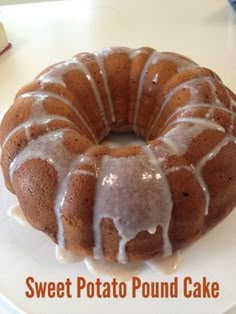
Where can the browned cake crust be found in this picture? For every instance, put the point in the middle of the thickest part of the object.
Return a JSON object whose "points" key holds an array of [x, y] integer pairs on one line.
{"points": [[184, 112]]}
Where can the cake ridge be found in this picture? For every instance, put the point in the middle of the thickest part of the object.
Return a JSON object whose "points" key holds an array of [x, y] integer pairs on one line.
{"points": [[89, 76], [55, 75], [194, 100], [197, 169], [203, 105], [153, 58], [140, 86], [46, 94], [202, 121], [100, 62]]}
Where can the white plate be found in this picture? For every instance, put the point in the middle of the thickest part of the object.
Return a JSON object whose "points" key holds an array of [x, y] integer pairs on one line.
{"points": [[26, 252]]}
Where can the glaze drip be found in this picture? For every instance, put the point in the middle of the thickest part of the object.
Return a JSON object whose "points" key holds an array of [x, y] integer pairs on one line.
{"points": [[39, 116], [41, 95], [198, 168], [49, 147], [195, 99], [56, 76], [154, 58], [65, 256], [192, 107], [181, 135], [100, 61], [141, 184]]}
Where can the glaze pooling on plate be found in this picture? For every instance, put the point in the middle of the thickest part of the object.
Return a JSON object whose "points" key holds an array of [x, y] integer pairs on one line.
{"points": [[66, 256], [122, 272], [166, 265], [140, 180], [16, 213]]}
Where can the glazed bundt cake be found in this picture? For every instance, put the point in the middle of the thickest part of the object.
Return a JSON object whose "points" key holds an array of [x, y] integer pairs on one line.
{"points": [[127, 203]]}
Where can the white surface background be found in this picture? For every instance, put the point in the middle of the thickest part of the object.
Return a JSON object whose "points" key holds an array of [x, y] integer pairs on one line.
{"points": [[44, 33]]}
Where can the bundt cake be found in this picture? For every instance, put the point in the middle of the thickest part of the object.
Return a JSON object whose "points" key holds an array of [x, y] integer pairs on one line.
{"points": [[133, 202]]}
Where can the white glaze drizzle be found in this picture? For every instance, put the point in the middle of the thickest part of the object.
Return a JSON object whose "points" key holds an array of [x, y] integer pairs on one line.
{"points": [[216, 99], [197, 169], [140, 87], [232, 101], [99, 57], [198, 175], [100, 61], [43, 95], [201, 164], [63, 189], [179, 143], [193, 107], [141, 184], [133, 53], [210, 114], [82, 66], [49, 147], [205, 123], [39, 116], [226, 140], [32, 122], [55, 75], [82, 171], [204, 188], [191, 85], [153, 59], [166, 100], [232, 105], [165, 205], [111, 50]]}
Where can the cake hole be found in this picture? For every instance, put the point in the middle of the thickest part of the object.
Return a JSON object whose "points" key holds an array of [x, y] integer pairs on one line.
{"points": [[123, 139], [185, 194]]}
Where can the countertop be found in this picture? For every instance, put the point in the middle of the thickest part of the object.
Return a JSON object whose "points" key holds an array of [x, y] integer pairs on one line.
{"points": [[44, 33]]}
